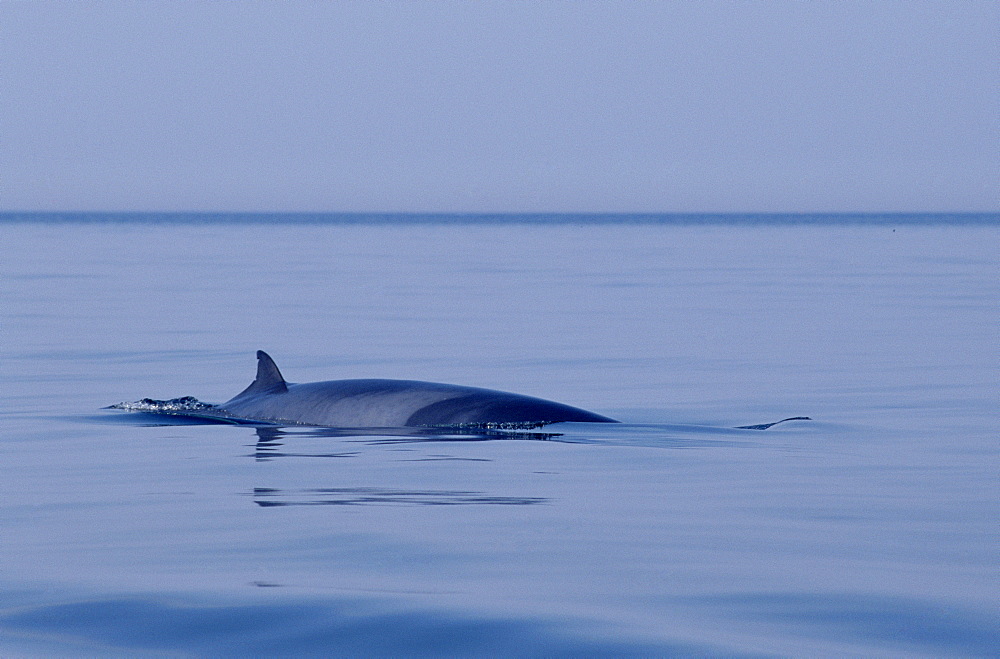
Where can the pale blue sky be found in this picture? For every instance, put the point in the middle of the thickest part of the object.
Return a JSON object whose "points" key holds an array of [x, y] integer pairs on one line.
{"points": [[500, 106]]}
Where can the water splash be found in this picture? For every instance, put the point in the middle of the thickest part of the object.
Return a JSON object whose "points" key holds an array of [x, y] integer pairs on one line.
{"points": [[183, 404]]}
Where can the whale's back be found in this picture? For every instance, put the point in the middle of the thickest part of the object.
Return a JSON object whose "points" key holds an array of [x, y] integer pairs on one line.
{"points": [[398, 403], [375, 403]]}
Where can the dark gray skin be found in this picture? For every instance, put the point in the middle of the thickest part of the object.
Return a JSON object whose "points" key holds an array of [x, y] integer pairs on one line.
{"points": [[387, 404]]}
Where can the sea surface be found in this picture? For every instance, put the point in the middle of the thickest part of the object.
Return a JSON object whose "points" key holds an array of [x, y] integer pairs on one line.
{"points": [[871, 530]]}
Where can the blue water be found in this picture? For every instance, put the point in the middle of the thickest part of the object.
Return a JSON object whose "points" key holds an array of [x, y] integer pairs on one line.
{"points": [[869, 531]]}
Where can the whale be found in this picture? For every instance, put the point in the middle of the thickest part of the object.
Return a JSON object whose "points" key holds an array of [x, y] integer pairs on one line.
{"points": [[380, 403], [376, 404]]}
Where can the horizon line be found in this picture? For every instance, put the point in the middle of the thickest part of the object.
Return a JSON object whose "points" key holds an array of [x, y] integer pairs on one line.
{"points": [[383, 213], [387, 218]]}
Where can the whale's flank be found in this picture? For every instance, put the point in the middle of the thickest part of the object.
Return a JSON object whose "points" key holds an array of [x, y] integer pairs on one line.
{"points": [[388, 403]]}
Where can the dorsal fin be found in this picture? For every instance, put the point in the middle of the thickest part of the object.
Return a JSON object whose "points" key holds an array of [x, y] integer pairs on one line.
{"points": [[269, 380]]}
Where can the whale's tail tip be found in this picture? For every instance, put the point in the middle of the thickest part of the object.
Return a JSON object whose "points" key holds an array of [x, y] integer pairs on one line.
{"points": [[765, 426]]}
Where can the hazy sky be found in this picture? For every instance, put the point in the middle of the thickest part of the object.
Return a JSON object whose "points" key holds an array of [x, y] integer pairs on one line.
{"points": [[500, 106]]}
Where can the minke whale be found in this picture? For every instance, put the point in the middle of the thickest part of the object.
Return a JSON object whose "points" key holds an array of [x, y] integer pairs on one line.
{"points": [[375, 403]]}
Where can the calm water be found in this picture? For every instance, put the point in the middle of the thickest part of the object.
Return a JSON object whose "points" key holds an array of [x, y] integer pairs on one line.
{"points": [[870, 531]]}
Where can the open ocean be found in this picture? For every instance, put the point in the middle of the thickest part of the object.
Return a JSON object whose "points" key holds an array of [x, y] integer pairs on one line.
{"points": [[871, 530]]}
